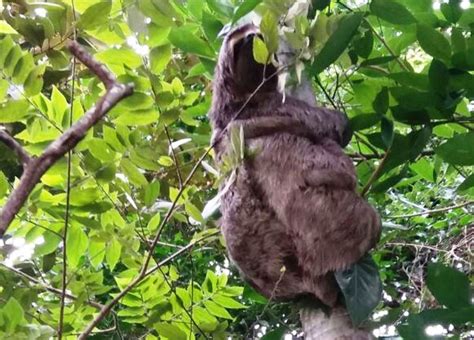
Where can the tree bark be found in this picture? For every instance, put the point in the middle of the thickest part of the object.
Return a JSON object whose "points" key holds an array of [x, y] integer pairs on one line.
{"points": [[336, 326]]}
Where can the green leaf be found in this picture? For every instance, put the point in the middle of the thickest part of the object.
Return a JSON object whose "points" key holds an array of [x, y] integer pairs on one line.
{"points": [[154, 223], [112, 255], [13, 111], [378, 60], [260, 51], [132, 172], [276, 334], [361, 287], [6, 45], [160, 57], [186, 39], [364, 121], [337, 42], [227, 302], [269, 30], [14, 314], [4, 85], [433, 42], [170, 331], [364, 45], [466, 185], [96, 252], [95, 15], [217, 310], [387, 131], [77, 243], [416, 80], [380, 104], [424, 168], [5, 28], [101, 150], [206, 321], [439, 77], [244, 8], [449, 286], [59, 104], [34, 82], [392, 12], [452, 11], [458, 150], [3, 185]]}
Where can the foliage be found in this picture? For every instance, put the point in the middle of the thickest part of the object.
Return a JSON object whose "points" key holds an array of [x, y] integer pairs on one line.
{"points": [[401, 70]]}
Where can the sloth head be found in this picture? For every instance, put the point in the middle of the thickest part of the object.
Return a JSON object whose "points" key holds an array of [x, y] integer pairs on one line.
{"points": [[237, 74]]}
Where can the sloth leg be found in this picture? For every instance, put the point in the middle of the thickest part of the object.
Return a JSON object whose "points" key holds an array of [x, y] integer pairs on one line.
{"points": [[258, 243], [331, 229]]}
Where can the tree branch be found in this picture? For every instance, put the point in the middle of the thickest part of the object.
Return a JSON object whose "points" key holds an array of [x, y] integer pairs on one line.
{"points": [[36, 167], [375, 175], [15, 146]]}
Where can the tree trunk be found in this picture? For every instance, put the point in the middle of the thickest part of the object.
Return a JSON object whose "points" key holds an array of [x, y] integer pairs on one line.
{"points": [[336, 326]]}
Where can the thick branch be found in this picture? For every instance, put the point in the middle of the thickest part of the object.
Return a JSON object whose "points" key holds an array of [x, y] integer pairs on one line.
{"points": [[36, 168], [15, 146], [337, 325]]}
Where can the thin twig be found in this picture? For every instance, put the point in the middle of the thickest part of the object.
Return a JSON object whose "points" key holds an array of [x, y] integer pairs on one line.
{"points": [[68, 140], [175, 159], [68, 193], [434, 211], [49, 288], [15, 146], [375, 174]]}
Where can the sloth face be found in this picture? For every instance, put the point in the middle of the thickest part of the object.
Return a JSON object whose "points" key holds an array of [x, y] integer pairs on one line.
{"points": [[239, 68]]}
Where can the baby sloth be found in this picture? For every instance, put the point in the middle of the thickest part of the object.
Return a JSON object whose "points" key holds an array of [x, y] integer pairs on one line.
{"points": [[292, 216]]}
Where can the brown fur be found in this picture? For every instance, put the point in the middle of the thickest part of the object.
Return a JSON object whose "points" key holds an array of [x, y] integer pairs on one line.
{"points": [[294, 203]]}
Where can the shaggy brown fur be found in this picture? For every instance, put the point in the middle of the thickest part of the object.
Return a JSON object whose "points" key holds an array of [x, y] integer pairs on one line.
{"points": [[293, 204]]}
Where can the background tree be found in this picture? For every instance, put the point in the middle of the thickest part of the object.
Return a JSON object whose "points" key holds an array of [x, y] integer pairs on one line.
{"points": [[126, 223]]}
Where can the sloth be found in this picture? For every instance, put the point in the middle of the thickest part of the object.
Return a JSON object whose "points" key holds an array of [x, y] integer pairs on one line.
{"points": [[291, 216]]}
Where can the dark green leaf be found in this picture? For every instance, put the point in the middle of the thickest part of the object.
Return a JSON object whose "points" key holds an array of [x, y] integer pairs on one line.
{"points": [[416, 80], [439, 76], [361, 287], [452, 11], [378, 60], [392, 12], [467, 184], [380, 103], [458, 150], [433, 42], [449, 286], [364, 121], [337, 42], [387, 131], [320, 4], [363, 46], [409, 116], [276, 334]]}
